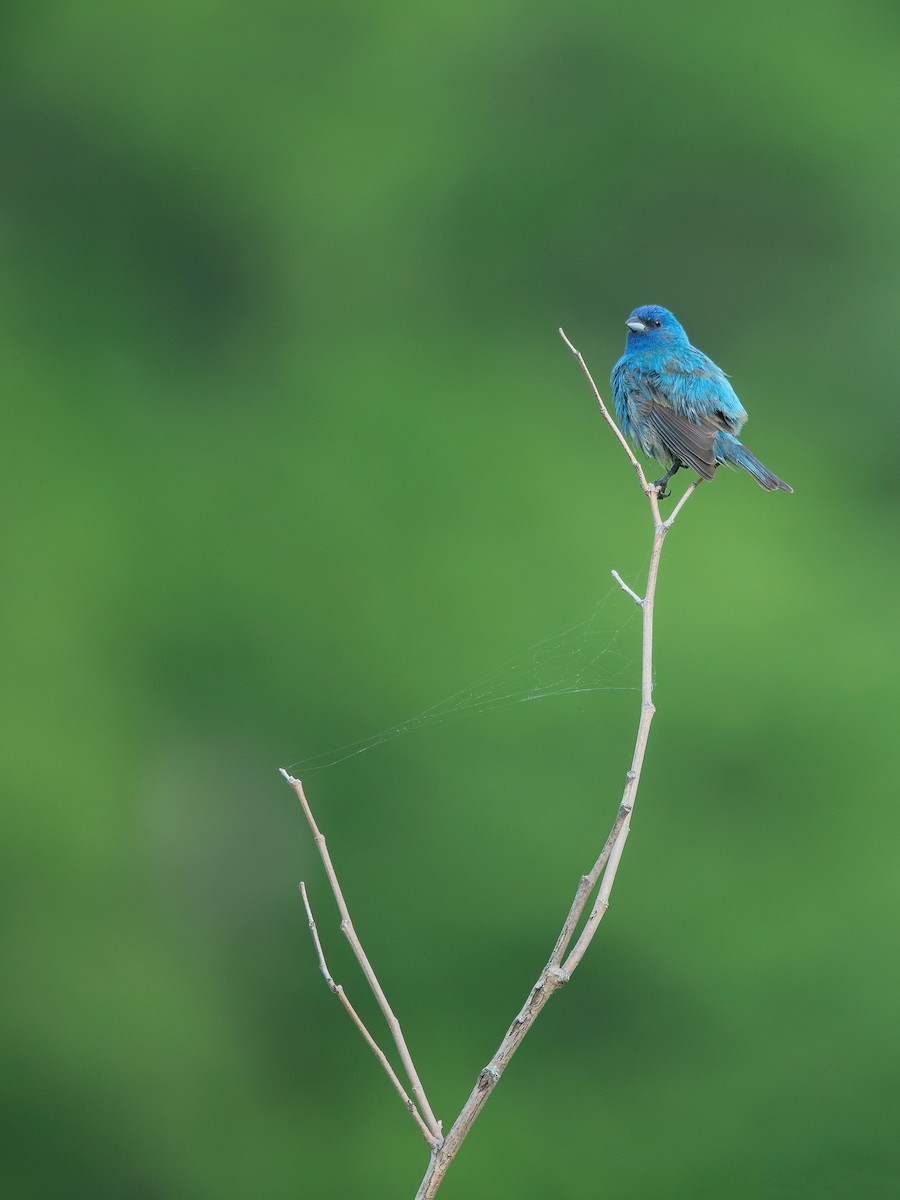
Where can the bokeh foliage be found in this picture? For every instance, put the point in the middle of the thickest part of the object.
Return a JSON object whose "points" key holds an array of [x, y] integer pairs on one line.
{"points": [[293, 450]]}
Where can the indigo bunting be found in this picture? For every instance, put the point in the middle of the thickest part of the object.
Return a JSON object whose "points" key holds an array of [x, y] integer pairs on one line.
{"points": [[677, 405]]}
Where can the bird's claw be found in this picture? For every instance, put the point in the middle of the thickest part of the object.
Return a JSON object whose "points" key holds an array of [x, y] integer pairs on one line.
{"points": [[660, 485]]}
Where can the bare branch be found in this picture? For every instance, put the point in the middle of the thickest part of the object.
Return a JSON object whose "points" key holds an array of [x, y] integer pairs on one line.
{"points": [[358, 1022], [557, 972], [599, 878], [416, 1088], [586, 886], [442, 1155], [681, 503], [646, 487], [601, 904], [626, 589]]}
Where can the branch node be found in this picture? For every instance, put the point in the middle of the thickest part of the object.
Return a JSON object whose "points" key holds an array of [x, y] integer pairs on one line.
{"points": [[488, 1077]]}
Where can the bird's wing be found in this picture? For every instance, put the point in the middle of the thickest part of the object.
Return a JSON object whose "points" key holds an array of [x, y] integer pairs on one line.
{"points": [[689, 441], [697, 388]]}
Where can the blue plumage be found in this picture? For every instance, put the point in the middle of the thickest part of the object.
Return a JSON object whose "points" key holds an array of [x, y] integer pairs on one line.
{"points": [[677, 405]]}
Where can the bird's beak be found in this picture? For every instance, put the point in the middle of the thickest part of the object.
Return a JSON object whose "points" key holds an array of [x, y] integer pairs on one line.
{"points": [[635, 325]]}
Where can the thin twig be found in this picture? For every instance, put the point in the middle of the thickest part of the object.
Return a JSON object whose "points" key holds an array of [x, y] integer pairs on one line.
{"points": [[416, 1088], [681, 503], [626, 589], [338, 991], [646, 487], [557, 972], [586, 886]]}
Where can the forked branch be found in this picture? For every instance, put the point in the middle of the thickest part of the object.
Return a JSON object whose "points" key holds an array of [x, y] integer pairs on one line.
{"points": [[428, 1119], [598, 881], [358, 1022]]}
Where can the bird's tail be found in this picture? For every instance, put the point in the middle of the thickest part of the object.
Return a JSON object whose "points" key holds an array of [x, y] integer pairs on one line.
{"points": [[729, 450]]}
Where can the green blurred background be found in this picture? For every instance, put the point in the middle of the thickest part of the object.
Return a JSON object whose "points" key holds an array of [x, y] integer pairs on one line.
{"points": [[293, 450]]}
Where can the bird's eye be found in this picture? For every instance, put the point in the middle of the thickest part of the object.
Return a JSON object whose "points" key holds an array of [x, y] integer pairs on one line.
{"points": [[654, 324]]}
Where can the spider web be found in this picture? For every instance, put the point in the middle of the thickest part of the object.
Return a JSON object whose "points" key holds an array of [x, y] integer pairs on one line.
{"points": [[583, 658]]}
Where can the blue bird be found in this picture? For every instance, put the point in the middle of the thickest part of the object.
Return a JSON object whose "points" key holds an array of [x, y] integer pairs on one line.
{"points": [[677, 405]]}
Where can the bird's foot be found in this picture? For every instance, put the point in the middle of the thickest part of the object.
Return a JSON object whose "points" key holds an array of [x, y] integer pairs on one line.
{"points": [[660, 484]]}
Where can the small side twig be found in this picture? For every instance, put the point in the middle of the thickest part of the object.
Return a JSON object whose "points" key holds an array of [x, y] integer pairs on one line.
{"points": [[586, 886], [434, 1126], [626, 589], [681, 503], [338, 991]]}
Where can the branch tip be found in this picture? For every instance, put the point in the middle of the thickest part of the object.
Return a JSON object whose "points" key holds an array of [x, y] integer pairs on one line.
{"points": [[622, 440]]}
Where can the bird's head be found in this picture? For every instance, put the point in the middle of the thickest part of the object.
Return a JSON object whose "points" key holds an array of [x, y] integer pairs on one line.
{"points": [[651, 327]]}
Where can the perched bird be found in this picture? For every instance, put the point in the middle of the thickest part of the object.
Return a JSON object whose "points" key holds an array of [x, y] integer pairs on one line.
{"points": [[677, 405]]}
